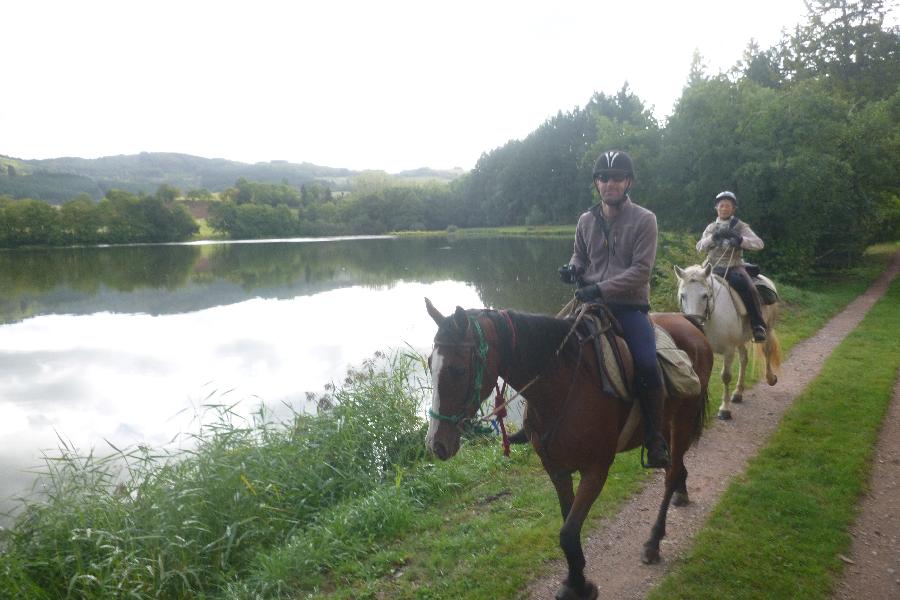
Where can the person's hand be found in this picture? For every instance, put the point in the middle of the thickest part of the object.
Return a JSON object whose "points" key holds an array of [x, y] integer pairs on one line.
{"points": [[569, 273], [718, 235], [735, 241], [588, 293]]}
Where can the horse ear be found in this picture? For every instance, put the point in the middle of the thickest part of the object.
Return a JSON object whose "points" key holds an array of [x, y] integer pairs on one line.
{"points": [[679, 272], [435, 313], [461, 318], [707, 271]]}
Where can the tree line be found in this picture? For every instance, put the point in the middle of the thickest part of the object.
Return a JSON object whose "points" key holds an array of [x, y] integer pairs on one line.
{"points": [[120, 218], [806, 133]]}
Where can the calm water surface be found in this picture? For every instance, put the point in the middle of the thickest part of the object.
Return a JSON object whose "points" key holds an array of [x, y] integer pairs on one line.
{"points": [[126, 344]]}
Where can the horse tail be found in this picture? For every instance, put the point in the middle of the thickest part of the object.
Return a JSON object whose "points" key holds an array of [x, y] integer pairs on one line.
{"points": [[771, 350]]}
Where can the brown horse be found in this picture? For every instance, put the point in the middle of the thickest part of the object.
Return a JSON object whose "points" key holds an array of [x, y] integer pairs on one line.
{"points": [[571, 422]]}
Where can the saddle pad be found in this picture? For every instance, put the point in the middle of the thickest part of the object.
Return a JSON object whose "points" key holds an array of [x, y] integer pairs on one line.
{"points": [[611, 372], [678, 372]]}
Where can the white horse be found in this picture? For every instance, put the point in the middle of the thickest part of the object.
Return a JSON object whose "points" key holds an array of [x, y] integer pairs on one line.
{"points": [[708, 299]]}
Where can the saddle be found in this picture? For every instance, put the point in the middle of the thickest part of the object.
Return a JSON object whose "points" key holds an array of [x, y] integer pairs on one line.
{"points": [[768, 293], [596, 324]]}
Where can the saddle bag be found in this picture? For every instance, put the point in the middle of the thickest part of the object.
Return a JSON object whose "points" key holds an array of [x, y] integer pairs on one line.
{"points": [[766, 288], [678, 374]]}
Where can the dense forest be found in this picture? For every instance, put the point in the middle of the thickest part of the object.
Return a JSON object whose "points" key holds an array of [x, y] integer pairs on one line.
{"points": [[807, 133]]}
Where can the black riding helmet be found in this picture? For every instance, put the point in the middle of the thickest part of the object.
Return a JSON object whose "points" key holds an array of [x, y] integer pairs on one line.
{"points": [[726, 195], [614, 162]]}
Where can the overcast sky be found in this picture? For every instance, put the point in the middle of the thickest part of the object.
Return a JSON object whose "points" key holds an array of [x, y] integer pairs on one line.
{"points": [[382, 84]]}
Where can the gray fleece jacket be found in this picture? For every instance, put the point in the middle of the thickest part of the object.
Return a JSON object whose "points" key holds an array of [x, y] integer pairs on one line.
{"points": [[618, 254]]}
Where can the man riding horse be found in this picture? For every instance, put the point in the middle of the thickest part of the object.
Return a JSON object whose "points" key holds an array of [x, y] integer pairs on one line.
{"points": [[615, 248], [724, 240]]}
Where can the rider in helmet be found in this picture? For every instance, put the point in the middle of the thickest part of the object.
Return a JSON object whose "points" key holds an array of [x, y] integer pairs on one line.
{"points": [[724, 240], [615, 248]]}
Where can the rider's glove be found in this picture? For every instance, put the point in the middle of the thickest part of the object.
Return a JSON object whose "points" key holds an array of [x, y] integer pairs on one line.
{"points": [[736, 241], [718, 235], [588, 293], [569, 273]]}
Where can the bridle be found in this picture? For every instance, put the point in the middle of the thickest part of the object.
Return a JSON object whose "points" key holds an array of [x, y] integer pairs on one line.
{"points": [[478, 351], [710, 304]]}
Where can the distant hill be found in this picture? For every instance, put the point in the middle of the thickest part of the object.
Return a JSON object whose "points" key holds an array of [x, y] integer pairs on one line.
{"points": [[59, 179]]}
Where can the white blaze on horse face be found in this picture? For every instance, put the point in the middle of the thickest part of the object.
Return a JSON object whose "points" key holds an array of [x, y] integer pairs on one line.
{"points": [[437, 365]]}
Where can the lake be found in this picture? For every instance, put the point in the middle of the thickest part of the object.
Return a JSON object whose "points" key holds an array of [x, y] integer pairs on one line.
{"points": [[126, 344]]}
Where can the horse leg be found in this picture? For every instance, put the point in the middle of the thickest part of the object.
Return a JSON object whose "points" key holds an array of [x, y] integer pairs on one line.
{"points": [[676, 481], [725, 408], [768, 349], [562, 481], [738, 396], [575, 586]]}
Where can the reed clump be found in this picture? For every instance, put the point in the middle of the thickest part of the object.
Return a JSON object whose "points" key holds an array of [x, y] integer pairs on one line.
{"points": [[284, 500]]}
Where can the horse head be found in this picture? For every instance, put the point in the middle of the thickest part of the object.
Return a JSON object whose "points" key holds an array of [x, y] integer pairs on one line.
{"points": [[462, 377], [695, 291]]}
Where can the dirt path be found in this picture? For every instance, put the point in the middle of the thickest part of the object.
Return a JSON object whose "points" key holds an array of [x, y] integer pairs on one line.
{"points": [[873, 565], [613, 550]]}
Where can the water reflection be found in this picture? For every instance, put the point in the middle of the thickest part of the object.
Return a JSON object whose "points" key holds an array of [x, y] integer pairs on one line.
{"points": [[185, 278], [123, 344]]}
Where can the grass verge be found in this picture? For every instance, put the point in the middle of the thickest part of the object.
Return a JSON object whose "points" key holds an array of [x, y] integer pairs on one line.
{"points": [[778, 529]]}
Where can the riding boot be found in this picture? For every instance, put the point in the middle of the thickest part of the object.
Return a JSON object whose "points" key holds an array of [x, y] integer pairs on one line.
{"points": [[652, 409], [742, 283]]}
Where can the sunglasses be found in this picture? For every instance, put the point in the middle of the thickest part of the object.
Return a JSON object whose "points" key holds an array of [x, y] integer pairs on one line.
{"points": [[605, 178]]}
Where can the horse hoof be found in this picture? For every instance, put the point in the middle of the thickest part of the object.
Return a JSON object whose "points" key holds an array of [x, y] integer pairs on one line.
{"points": [[649, 555], [679, 499], [737, 399], [724, 415], [589, 593], [772, 380]]}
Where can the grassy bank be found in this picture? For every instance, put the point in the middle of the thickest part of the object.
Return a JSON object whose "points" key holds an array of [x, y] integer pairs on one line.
{"points": [[779, 529], [341, 505]]}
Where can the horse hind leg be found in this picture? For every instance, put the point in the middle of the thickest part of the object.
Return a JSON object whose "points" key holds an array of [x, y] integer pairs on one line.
{"points": [[676, 491], [771, 351]]}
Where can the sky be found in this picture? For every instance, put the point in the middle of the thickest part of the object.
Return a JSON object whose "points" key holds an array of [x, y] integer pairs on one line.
{"points": [[389, 85]]}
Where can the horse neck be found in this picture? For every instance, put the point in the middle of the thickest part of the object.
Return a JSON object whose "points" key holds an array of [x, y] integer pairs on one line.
{"points": [[537, 338], [724, 315]]}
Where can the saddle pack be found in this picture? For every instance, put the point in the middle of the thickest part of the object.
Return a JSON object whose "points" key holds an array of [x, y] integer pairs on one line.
{"points": [[614, 362]]}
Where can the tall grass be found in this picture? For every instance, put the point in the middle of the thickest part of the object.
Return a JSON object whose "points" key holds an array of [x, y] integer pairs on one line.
{"points": [[142, 523]]}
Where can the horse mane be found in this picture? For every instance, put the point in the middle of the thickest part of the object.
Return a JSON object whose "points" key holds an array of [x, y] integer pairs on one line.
{"points": [[537, 337]]}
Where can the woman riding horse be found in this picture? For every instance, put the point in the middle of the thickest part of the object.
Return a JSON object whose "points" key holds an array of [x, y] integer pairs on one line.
{"points": [[724, 240]]}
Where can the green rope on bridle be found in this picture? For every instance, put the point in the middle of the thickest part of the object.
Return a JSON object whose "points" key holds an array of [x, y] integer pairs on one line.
{"points": [[479, 358]]}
